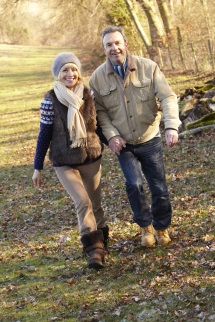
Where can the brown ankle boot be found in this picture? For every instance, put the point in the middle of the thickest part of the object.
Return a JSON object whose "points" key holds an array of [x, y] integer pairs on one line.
{"points": [[162, 237], [94, 248], [105, 231], [148, 236]]}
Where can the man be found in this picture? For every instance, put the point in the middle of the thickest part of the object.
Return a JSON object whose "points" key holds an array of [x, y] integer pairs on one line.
{"points": [[127, 89]]}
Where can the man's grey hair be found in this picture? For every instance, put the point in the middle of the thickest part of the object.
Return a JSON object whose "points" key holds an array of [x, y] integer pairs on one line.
{"points": [[111, 29]]}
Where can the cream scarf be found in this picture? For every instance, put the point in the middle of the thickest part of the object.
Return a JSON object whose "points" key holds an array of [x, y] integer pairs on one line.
{"points": [[75, 123]]}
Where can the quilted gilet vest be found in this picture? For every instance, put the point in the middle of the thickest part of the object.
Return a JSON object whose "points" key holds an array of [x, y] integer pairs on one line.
{"points": [[60, 152]]}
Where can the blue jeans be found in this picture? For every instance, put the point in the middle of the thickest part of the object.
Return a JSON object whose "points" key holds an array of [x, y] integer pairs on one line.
{"points": [[146, 160]]}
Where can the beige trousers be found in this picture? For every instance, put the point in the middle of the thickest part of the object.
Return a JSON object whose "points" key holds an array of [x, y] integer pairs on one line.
{"points": [[83, 184]]}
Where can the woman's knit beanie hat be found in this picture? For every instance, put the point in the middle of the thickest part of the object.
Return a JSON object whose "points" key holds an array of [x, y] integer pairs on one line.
{"points": [[62, 59]]}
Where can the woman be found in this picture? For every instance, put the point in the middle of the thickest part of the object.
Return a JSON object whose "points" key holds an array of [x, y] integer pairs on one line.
{"points": [[67, 127]]}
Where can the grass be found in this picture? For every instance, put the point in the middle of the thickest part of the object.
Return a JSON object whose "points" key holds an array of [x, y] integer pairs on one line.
{"points": [[43, 274]]}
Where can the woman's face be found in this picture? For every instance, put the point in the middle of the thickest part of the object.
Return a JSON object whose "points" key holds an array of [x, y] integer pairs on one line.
{"points": [[69, 75]]}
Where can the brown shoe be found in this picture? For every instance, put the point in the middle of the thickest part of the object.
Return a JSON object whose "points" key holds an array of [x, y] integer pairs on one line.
{"points": [[148, 236], [105, 231], [94, 248], [162, 237]]}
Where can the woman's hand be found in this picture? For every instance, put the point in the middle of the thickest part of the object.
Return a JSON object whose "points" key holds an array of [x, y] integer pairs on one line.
{"points": [[37, 178]]}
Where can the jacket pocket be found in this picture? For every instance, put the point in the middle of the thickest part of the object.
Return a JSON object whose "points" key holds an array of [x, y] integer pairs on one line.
{"points": [[109, 96], [142, 89]]}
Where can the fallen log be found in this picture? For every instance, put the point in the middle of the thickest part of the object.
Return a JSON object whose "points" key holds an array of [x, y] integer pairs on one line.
{"points": [[196, 130]]}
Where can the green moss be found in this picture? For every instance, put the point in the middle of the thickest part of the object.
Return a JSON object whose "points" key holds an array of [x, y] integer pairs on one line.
{"points": [[208, 119]]}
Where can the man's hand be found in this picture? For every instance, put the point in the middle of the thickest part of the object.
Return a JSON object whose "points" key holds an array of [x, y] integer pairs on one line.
{"points": [[116, 143], [37, 178], [171, 137]]}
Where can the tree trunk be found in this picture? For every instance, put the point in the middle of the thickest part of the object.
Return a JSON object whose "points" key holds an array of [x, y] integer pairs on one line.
{"points": [[194, 57], [157, 31], [209, 28], [137, 23], [210, 47], [171, 4], [180, 48], [165, 15]]}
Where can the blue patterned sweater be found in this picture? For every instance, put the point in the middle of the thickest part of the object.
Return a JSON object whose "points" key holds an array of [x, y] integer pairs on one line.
{"points": [[45, 133]]}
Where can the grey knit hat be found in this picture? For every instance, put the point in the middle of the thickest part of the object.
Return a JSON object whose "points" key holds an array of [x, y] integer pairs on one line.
{"points": [[62, 59]]}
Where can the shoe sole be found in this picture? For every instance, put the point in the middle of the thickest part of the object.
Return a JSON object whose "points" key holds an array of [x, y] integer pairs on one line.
{"points": [[95, 265], [156, 242], [163, 243], [148, 245]]}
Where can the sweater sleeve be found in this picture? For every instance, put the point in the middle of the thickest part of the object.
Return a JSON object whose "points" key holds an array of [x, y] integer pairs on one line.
{"points": [[45, 134], [168, 100]]}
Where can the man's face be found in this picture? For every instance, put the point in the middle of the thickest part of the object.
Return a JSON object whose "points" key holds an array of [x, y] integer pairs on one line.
{"points": [[114, 47]]}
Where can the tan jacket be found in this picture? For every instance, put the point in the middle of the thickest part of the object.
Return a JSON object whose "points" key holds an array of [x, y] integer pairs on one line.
{"points": [[129, 107]]}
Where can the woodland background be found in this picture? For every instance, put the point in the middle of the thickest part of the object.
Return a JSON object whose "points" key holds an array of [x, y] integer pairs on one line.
{"points": [[177, 34]]}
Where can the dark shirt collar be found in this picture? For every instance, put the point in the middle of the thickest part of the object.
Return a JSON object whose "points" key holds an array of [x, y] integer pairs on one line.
{"points": [[124, 64]]}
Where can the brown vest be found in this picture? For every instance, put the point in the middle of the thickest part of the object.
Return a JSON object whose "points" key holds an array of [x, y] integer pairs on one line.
{"points": [[60, 151]]}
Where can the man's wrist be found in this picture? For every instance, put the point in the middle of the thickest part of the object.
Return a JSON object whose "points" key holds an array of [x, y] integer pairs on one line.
{"points": [[170, 128]]}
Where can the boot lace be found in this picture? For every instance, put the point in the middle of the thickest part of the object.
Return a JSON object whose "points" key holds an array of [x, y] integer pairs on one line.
{"points": [[149, 229], [162, 233]]}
